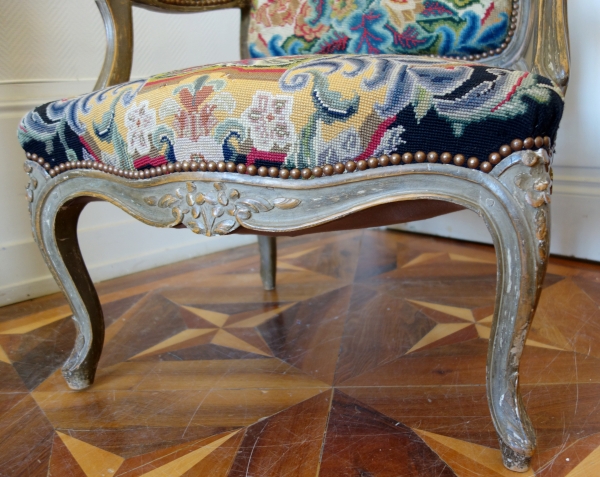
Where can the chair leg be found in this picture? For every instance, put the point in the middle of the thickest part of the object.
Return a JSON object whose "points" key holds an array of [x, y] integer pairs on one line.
{"points": [[56, 234], [522, 260], [268, 261], [507, 340]]}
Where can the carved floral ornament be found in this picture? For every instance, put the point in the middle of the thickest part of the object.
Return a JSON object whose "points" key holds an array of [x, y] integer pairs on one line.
{"points": [[537, 185], [216, 212]]}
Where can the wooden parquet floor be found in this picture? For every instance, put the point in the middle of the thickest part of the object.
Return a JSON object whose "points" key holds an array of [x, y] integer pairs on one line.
{"points": [[367, 361]]}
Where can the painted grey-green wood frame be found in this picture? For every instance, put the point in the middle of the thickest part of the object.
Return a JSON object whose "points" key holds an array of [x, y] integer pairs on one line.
{"points": [[513, 200]]}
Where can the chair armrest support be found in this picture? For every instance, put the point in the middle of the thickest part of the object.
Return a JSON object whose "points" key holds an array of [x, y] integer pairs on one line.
{"points": [[551, 54], [118, 23]]}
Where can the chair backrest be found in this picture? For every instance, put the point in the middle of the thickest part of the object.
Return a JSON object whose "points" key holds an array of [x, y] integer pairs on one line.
{"points": [[467, 29], [530, 35]]}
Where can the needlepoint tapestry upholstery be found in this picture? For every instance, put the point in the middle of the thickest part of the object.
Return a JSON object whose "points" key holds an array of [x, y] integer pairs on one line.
{"points": [[437, 27], [297, 112]]}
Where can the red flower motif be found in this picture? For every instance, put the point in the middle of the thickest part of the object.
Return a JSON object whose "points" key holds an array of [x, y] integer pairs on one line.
{"points": [[303, 29], [277, 12], [196, 119]]}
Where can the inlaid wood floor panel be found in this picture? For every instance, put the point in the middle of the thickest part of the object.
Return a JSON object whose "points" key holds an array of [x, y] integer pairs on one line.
{"points": [[368, 360]]}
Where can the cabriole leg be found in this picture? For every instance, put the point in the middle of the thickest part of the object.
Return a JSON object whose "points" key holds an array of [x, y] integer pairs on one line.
{"points": [[268, 261], [522, 259], [56, 234]]}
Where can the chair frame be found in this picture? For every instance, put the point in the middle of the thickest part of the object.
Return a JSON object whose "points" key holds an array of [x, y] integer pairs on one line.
{"points": [[513, 201]]}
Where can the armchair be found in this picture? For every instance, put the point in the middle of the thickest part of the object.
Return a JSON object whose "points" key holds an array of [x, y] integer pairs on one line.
{"points": [[331, 126]]}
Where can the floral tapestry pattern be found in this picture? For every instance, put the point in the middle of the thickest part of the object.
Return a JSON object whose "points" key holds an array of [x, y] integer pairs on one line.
{"points": [[438, 27], [297, 112]]}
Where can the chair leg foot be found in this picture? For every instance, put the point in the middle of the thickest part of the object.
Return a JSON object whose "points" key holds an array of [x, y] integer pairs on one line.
{"points": [[513, 460], [80, 368], [79, 378], [268, 261]]}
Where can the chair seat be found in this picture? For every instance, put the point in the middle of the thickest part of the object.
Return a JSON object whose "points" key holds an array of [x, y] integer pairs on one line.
{"points": [[284, 116]]}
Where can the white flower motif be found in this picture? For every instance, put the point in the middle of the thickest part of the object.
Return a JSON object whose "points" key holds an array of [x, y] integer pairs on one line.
{"points": [[268, 118], [205, 147], [390, 141], [140, 121]]}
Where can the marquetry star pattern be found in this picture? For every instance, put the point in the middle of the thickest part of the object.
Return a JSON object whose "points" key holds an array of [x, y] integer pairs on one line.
{"points": [[466, 327], [240, 335], [79, 457], [355, 355]]}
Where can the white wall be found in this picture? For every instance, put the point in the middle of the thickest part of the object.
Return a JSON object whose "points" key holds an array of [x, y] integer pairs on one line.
{"points": [[576, 191], [55, 48]]}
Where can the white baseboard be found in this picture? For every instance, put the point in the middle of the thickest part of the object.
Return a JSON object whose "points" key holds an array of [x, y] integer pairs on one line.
{"points": [[575, 217]]}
